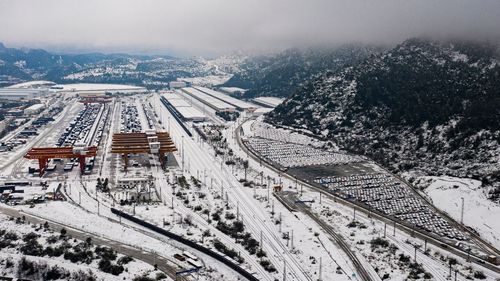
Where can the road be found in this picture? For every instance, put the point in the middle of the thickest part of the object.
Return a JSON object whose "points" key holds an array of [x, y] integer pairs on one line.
{"points": [[54, 129]]}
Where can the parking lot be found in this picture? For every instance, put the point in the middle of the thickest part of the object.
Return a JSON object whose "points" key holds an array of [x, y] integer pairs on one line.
{"points": [[290, 155], [384, 193]]}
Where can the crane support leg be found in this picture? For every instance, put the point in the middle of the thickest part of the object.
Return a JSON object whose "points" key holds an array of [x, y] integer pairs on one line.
{"points": [[42, 164], [81, 160]]}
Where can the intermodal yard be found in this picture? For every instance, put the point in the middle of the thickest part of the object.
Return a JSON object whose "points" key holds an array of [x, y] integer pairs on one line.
{"points": [[192, 184]]}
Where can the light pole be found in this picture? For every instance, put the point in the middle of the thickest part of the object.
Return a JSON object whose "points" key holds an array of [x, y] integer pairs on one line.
{"points": [[462, 215], [182, 153]]}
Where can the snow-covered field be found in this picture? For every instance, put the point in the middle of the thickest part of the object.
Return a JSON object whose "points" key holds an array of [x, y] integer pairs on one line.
{"points": [[82, 87], [479, 212], [46, 238]]}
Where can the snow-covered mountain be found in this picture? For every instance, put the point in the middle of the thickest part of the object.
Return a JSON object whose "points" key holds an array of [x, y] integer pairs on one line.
{"points": [[424, 106], [282, 73], [20, 65]]}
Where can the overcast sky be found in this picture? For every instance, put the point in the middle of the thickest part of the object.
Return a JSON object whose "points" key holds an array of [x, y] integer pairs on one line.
{"points": [[202, 27]]}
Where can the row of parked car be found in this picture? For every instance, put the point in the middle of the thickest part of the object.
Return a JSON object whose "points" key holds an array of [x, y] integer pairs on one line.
{"points": [[80, 126], [30, 131], [130, 122]]}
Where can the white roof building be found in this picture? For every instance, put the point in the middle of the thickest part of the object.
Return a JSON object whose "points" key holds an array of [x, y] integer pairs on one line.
{"points": [[21, 94], [271, 102], [34, 109]]}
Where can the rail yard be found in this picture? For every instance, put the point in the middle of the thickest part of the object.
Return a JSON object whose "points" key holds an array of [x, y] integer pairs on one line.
{"points": [[197, 181]]}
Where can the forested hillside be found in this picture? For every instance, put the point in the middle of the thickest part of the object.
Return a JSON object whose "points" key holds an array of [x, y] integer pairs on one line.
{"points": [[281, 74], [423, 106]]}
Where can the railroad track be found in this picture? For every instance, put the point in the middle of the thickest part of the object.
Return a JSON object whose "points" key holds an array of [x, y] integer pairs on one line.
{"points": [[140, 254], [339, 240], [414, 231]]}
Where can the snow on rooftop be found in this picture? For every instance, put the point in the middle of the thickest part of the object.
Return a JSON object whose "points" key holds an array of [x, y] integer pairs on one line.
{"points": [[35, 106], [230, 100], [183, 107], [32, 84], [232, 90], [269, 101], [190, 112], [90, 87], [213, 102]]}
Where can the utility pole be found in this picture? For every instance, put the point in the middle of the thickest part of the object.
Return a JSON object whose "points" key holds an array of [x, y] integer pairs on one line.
{"points": [[268, 182], [261, 240], [320, 268], [385, 228], [462, 216], [182, 152], [281, 222], [415, 257], [284, 270], [292, 240]]}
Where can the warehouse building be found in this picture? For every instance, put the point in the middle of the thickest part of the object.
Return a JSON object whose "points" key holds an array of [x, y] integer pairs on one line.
{"points": [[21, 94], [34, 109]]}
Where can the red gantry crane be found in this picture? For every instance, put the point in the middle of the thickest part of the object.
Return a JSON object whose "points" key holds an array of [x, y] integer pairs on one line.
{"points": [[150, 142], [43, 154]]}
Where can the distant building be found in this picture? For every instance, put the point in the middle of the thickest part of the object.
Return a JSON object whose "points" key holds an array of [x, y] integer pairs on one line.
{"points": [[21, 94], [233, 91], [4, 124], [177, 84], [14, 112], [270, 102], [34, 109]]}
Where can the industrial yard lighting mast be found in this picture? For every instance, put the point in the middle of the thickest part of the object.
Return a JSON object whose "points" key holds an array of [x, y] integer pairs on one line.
{"points": [[182, 152], [320, 268], [462, 216]]}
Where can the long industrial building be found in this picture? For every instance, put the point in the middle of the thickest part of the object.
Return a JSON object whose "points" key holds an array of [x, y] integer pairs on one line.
{"points": [[270, 102], [21, 94], [185, 109], [209, 100], [239, 104]]}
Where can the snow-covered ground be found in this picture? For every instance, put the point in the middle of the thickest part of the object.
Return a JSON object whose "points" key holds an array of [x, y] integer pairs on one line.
{"points": [[82, 87], [480, 213], [20, 228]]}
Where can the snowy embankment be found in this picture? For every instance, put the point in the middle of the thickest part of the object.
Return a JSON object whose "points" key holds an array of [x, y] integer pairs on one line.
{"points": [[480, 213]]}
